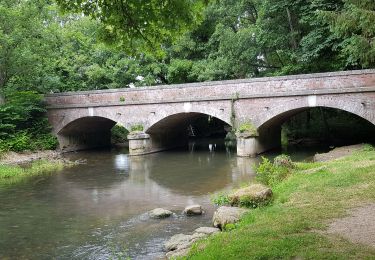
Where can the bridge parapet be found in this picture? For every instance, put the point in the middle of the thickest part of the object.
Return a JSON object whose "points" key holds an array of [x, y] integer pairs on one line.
{"points": [[307, 84]]}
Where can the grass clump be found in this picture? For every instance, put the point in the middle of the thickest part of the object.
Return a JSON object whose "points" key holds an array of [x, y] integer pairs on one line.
{"points": [[294, 225], [10, 174]]}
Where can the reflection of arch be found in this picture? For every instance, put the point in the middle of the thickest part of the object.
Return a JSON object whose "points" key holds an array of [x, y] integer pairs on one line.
{"points": [[278, 114]]}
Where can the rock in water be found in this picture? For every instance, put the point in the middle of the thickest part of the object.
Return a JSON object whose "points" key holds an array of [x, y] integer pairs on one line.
{"points": [[160, 213], [193, 210], [227, 215], [251, 196]]}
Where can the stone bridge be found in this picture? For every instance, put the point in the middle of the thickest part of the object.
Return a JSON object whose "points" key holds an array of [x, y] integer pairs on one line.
{"points": [[82, 120]]}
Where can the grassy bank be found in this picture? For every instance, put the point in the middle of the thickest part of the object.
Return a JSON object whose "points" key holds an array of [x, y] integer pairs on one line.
{"points": [[12, 174], [293, 226]]}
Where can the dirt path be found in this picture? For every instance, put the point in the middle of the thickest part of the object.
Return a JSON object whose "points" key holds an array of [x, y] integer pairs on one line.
{"points": [[13, 158], [337, 153], [359, 227]]}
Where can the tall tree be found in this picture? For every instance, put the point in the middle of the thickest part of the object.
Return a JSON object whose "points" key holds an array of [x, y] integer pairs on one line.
{"points": [[139, 25]]}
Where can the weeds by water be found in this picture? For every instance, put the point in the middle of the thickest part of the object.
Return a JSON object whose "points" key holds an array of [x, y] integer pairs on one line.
{"points": [[13, 174]]}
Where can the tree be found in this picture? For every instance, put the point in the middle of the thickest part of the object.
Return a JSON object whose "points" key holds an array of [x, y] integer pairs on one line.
{"points": [[354, 29], [139, 25]]}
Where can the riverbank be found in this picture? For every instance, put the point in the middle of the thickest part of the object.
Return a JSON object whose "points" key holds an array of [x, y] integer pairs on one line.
{"points": [[15, 167], [300, 222]]}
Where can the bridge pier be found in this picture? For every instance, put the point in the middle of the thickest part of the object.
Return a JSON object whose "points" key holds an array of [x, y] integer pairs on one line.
{"points": [[139, 143], [252, 145]]}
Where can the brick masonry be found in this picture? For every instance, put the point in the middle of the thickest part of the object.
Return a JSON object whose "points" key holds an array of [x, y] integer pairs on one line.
{"points": [[265, 102]]}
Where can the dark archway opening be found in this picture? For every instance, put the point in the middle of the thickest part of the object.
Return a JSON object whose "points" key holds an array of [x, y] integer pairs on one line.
{"points": [[189, 131], [325, 127], [90, 133]]}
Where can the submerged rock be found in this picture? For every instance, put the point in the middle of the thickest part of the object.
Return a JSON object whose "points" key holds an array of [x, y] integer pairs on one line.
{"points": [[227, 215], [193, 210], [160, 213], [251, 196]]}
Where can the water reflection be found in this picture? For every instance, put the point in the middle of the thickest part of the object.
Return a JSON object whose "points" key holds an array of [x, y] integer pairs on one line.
{"points": [[94, 210]]}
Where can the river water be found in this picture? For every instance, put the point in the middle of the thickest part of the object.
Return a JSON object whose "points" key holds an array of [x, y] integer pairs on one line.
{"points": [[98, 210]]}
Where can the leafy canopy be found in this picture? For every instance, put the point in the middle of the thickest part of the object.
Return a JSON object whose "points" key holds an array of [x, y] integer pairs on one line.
{"points": [[139, 25]]}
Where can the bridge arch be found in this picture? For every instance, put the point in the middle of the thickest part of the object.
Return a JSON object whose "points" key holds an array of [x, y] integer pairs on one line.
{"points": [[85, 133], [281, 112], [269, 123], [173, 129]]}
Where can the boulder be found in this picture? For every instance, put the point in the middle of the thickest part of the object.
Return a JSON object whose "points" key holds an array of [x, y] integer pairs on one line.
{"points": [[251, 196], [160, 213], [193, 210], [227, 215], [207, 230], [181, 241]]}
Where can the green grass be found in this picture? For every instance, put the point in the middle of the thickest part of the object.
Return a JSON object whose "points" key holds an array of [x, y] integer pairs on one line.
{"points": [[13, 174], [292, 226]]}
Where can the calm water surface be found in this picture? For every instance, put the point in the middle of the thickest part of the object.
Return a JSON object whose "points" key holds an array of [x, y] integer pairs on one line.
{"points": [[98, 210]]}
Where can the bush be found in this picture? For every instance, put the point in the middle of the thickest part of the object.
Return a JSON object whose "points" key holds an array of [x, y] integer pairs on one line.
{"points": [[119, 134], [283, 160], [137, 127], [368, 148], [270, 174], [23, 123], [220, 199]]}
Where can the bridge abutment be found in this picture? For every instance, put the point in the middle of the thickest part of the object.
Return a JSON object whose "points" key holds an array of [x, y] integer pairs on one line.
{"points": [[252, 145]]}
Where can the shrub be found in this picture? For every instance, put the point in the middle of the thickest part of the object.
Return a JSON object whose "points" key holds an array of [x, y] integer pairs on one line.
{"points": [[270, 174], [283, 160], [220, 199], [368, 148], [137, 127], [119, 134], [248, 128]]}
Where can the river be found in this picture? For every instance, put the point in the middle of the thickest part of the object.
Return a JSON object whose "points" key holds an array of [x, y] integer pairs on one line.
{"points": [[98, 210]]}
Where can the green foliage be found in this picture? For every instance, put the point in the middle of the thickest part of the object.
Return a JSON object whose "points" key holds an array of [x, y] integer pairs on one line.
{"points": [[122, 99], [354, 29], [283, 160], [229, 226], [23, 123], [270, 173], [248, 128], [220, 199], [137, 127], [368, 148], [15, 174], [119, 134], [138, 25]]}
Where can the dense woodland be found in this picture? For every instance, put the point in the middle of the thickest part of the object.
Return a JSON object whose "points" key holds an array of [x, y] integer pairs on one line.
{"points": [[54, 46]]}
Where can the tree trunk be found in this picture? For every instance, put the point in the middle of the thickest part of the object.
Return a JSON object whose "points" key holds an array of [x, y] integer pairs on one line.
{"points": [[292, 32]]}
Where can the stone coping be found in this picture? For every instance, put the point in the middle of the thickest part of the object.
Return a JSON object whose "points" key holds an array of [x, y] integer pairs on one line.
{"points": [[217, 83]]}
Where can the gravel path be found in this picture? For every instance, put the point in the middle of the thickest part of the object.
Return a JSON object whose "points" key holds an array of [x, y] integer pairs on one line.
{"points": [[337, 153], [357, 228]]}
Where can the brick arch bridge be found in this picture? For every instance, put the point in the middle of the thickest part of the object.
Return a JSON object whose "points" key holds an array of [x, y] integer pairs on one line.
{"points": [[83, 120]]}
